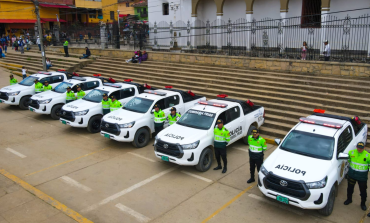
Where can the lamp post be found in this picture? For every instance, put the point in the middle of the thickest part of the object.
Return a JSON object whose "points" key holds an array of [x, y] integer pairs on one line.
{"points": [[174, 7]]}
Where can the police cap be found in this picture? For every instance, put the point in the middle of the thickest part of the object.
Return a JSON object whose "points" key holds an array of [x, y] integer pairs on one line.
{"points": [[255, 131], [36, 80], [46, 82], [156, 106], [173, 109], [105, 95], [220, 121], [69, 87], [78, 86], [360, 145], [11, 75], [113, 97]]}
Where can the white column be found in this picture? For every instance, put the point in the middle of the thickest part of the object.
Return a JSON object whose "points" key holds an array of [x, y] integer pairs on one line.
{"points": [[219, 31], [192, 31], [283, 20], [248, 17], [324, 19]]}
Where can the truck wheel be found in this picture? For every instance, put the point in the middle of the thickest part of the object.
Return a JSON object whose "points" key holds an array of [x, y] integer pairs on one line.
{"points": [[141, 138], [205, 160], [55, 112], [328, 209], [94, 124], [24, 102], [245, 139]]}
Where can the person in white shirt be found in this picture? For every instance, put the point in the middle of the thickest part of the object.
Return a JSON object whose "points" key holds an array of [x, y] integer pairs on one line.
{"points": [[327, 50], [24, 72], [38, 43], [48, 64]]}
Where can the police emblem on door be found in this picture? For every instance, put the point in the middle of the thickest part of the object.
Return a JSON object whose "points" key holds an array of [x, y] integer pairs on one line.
{"points": [[107, 125], [283, 183], [165, 146]]}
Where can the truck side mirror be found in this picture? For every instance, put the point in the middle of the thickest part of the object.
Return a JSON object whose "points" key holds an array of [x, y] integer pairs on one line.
{"points": [[277, 141], [343, 156], [153, 110]]}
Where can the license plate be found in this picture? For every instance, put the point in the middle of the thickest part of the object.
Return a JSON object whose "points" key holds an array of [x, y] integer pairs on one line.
{"points": [[31, 109], [165, 158], [284, 200], [64, 122], [107, 136], [1, 101]]}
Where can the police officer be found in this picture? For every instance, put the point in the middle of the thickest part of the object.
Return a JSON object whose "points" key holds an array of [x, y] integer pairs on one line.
{"points": [[70, 95], [47, 86], [106, 104], [257, 145], [359, 161], [65, 46], [222, 138], [159, 118], [80, 93], [38, 86], [173, 116], [13, 80], [115, 104]]}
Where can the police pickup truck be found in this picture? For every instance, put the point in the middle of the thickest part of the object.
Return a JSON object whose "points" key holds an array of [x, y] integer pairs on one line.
{"points": [[19, 94], [307, 167], [135, 121], [190, 140], [88, 112], [51, 102]]}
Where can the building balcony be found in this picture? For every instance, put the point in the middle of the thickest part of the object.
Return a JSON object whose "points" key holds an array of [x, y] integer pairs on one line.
{"points": [[140, 4], [143, 15]]}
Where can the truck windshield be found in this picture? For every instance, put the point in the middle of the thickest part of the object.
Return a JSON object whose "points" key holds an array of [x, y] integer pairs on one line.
{"points": [[95, 96], [28, 81], [140, 105], [197, 119], [308, 144], [62, 87]]}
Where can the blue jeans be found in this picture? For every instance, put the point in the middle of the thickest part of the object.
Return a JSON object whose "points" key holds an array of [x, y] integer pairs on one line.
{"points": [[24, 76], [48, 66], [39, 46], [84, 56]]}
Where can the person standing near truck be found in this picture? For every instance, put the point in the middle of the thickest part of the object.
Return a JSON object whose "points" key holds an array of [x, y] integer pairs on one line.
{"points": [[13, 80], [221, 139], [257, 145], [38, 86], [173, 116], [114, 104], [159, 118], [47, 86], [80, 92], [106, 104], [70, 95]]}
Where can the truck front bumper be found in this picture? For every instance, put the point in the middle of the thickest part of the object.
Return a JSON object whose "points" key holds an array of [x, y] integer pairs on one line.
{"points": [[124, 135], [78, 122]]}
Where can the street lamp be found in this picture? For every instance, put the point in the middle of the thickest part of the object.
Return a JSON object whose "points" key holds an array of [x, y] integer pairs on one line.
{"points": [[119, 32], [174, 7]]}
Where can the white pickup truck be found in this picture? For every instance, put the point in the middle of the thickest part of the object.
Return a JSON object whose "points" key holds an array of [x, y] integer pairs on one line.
{"points": [[88, 112], [306, 168], [190, 140], [51, 102], [19, 94], [135, 121]]}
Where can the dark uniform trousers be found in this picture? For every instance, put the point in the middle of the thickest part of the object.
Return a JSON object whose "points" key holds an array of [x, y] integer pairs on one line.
{"points": [[253, 163], [106, 111], [221, 153], [66, 51], [351, 186], [158, 129]]}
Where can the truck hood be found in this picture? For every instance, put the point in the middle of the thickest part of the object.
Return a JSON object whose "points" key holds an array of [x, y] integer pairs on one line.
{"points": [[297, 167], [181, 134], [80, 105], [47, 95], [16, 87], [122, 116]]}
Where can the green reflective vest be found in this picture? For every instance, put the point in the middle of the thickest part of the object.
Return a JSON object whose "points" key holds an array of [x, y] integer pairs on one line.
{"points": [[172, 119], [222, 137], [80, 94], [115, 105], [70, 96], [65, 43], [359, 165], [13, 81], [106, 104], [256, 147], [159, 118], [48, 88], [38, 87]]}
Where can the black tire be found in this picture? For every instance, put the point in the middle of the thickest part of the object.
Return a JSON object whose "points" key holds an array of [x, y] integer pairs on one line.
{"points": [[141, 138], [24, 102], [205, 160], [94, 124], [328, 209], [55, 112], [245, 139]]}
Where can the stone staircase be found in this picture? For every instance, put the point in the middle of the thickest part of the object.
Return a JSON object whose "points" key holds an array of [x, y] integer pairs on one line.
{"points": [[285, 96]]}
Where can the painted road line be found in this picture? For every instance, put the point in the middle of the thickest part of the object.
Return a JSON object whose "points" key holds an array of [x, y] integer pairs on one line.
{"points": [[69, 212], [59, 164], [143, 157], [127, 190], [16, 153], [228, 203], [196, 176], [74, 183], [138, 216], [364, 216], [282, 206], [244, 150]]}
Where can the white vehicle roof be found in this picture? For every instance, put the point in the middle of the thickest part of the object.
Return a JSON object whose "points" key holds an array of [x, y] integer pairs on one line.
{"points": [[157, 97], [215, 109], [108, 88], [43, 74], [81, 80], [320, 129]]}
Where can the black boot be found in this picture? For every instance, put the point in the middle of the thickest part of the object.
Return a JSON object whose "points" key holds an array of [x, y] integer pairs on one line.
{"points": [[224, 170], [363, 206], [251, 180], [348, 201], [219, 167]]}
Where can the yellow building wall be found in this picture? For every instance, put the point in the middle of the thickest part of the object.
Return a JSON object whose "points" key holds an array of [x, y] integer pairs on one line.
{"points": [[16, 10], [88, 4], [127, 10], [105, 5]]}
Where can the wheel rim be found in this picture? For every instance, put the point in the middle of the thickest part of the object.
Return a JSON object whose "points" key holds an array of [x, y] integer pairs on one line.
{"points": [[57, 112], [26, 103], [206, 160], [96, 125], [141, 138]]}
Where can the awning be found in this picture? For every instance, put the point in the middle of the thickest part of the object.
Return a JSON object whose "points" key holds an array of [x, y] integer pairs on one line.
{"points": [[55, 6], [21, 26], [17, 20], [123, 15], [52, 20]]}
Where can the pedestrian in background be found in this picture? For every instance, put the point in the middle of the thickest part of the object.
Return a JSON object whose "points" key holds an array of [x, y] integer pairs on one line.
{"points": [[304, 51], [65, 46], [13, 41], [21, 45], [257, 145], [38, 43], [24, 72], [327, 51], [48, 64], [221, 139]]}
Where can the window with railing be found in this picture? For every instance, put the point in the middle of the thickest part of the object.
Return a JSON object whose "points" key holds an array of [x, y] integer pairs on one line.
{"points": [[311, 14]]}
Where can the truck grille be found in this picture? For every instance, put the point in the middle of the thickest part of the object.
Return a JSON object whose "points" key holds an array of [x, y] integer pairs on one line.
{"points": [[34, 104], [4, 96], [110, 128], [68, 115], [169, 149], [293, 188]]}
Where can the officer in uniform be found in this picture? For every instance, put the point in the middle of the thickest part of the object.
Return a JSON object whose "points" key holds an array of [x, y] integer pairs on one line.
{"points": [[257, 145], [65, 46], [47, 86], [222, 138], [70, 95], [359, 161], [38, 87], [80, 93], [173, 116], [106, 104], [159, 118], [115, 104], [13, 80]]}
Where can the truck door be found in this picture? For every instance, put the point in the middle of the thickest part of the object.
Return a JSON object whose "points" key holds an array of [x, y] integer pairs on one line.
{"points": [[55, 80], [344, 145], [126, 95], [234, 123], [90, 86]]}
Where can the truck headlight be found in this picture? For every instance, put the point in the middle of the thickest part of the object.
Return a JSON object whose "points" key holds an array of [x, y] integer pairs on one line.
{"points": [[47, 101], [155, 140], [13, 93], [191, 145], [80, 113], [317, 184], [264, 171], [127, 125]]}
